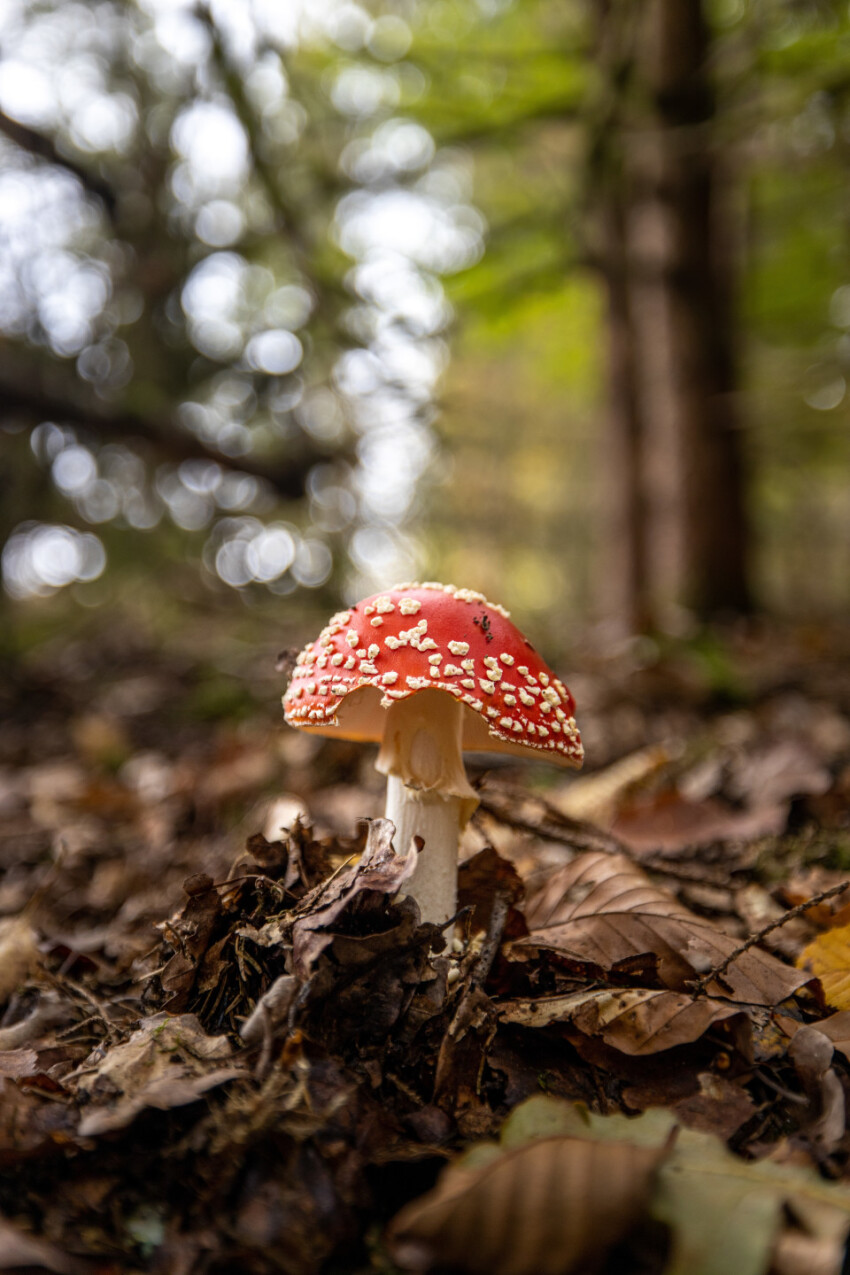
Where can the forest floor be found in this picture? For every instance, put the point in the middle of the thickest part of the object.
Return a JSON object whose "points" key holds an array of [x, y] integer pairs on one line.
{"points": [[227, 1045]]}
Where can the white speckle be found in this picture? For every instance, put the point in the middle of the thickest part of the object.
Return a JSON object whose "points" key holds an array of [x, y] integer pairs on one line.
{"points": [[417, 683], [492, 712], [510, 699], [506, 723], [321, 661], [350, 662], [541, 730], [376, 621], [458, 648], [571, 722], [367, 667], [560, 714], [545, 708], [544, 679], [374, 650], [556, 726], [523, 668], [469, 665], [531, 728], [525, 697], [496, 674], [383, 606], [369, 610], [393, 642], [435, 659], [452, 670], [517, 727], [487, 687], [469, 683], [389, 678], [505, 658], [351, 638], [434, 671], [427, 644], [311, 688], [491, 661], [478, 704], [337, 659], [409, 606], [551, 696]]}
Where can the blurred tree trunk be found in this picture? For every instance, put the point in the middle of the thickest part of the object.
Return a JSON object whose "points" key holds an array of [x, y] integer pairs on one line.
{"points": [[675, 445]]}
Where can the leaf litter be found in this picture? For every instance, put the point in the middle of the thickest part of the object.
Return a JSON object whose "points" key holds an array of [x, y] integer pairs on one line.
{"points": [[225, 1049]]}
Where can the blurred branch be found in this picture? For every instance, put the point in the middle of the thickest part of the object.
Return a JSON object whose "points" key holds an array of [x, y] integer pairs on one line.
{"points": [[168, 439], [43, 147]]}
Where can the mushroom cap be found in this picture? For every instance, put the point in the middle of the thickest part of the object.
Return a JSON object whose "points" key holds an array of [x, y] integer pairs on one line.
{"points": [[433, 636]]}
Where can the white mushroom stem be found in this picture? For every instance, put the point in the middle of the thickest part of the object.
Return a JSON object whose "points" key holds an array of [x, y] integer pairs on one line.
{"points": [[428, 794]]}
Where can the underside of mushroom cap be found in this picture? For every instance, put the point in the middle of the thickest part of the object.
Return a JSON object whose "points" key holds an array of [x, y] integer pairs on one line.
{"points": [[432, 636]]}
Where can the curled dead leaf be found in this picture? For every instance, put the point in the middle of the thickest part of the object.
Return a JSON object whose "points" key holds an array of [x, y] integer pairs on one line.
{"points": [[633, 1020]]}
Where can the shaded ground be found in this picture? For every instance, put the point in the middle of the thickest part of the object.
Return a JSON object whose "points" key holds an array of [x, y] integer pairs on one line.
{"points": [[225, 1046]]}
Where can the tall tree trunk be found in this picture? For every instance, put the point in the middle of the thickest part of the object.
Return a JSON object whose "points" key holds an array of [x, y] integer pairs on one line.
{"points": [[675, 433]]}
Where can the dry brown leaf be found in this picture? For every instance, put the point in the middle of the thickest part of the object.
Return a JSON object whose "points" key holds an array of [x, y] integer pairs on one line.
{"points": [[668, 822], [545, 1209], [381, 871], [603, 910], [633, 1020], [828, 956], [168, 1062], [598, 797]]}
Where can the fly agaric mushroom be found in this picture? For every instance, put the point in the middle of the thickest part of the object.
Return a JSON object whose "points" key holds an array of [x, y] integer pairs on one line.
{"points": [[428, 670]]}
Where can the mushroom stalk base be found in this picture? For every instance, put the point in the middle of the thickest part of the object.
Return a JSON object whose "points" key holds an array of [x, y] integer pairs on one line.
{"points": [[428, 794], [437, 819]]}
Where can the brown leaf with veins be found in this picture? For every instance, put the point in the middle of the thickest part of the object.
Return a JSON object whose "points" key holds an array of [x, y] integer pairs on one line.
{"points": [[548, 1208], [603, 910], [633, 1020]]}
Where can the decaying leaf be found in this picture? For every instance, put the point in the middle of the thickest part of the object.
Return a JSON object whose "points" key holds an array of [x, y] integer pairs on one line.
{"points": [[604, 911], [168, 1062], [380, 872], [544, 1209], [633, 1020], [828, 956]]}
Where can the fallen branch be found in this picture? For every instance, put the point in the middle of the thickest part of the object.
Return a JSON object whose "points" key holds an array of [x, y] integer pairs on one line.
{"points": [[799, 910]]}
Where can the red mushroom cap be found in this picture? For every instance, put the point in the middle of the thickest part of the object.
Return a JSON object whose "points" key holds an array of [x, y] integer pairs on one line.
{"points": [[418, 636]]}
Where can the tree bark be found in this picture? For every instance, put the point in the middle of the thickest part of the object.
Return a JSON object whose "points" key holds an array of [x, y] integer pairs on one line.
{"points": [[675, 440]]}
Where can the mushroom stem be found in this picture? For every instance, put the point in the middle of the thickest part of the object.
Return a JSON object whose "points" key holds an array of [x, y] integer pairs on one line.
{"points": [[428, 794]]}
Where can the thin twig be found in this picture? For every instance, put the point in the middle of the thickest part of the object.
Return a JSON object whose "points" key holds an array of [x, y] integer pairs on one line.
{"points": [[799, 910]]}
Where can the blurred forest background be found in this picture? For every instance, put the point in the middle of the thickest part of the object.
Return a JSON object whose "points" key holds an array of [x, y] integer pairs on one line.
{"points": [[547, 298]]}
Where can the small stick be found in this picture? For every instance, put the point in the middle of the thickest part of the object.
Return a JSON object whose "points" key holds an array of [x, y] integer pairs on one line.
{"points": [[799, 910]]}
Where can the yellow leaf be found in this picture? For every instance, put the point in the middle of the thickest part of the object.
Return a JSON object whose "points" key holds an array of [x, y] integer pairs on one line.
{"points": [[828, 956]]}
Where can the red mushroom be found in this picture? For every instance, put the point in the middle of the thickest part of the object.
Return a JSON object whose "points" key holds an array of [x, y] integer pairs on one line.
{"points": [[428, 670]]}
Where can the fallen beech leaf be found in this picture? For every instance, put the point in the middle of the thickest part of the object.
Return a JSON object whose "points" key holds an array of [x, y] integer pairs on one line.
{"points": [[598, 797], [633, 1020], [725, 1214], [544, 1209], [669, 822], [167, 1063], [828, 956], [603, 910]]}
